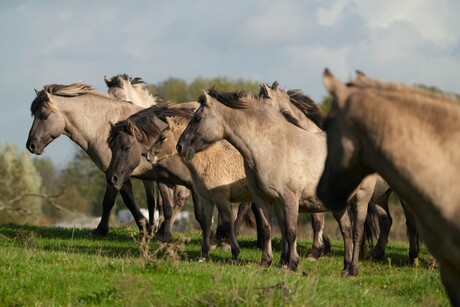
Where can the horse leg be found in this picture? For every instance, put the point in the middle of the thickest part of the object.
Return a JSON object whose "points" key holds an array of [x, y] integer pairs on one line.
{"points": [[380, 208], [164, 232], [260, 225], [450, 279], [126, 192], [343, 219], [107, 204], [280, 217], [264, 228], [359, 209], [207, 209], [414, 242], [243, 212], [151, 202], [318, 248], [291, 214], [161, 215], [225, 212]]}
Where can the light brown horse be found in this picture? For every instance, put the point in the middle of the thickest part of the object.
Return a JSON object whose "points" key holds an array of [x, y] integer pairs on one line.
{"points": [[282, 162], [219, 177], [412, 138], [70, 110], [131, 137], [307, 115], [169, 202]]}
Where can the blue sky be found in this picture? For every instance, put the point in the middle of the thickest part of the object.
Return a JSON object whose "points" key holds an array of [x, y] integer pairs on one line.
{"points": [[42, 42]]}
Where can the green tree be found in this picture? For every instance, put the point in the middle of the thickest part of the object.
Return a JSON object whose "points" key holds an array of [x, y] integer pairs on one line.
{"points": [[174, 90], [326, 104], [19, 185], [85, 185]]}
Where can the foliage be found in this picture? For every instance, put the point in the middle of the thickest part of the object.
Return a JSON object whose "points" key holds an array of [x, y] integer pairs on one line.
{"points": [[177, 90], [19, 177], [56, 266]]}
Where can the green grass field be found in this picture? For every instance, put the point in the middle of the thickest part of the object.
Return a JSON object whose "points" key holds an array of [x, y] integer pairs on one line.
{"points": [[55, 266]]}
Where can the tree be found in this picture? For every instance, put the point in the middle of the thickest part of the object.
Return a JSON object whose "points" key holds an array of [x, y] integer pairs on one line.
{"points": [[19, 178]]}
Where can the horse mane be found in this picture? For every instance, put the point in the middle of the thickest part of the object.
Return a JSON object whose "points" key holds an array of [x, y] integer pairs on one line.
{"points": [[70, 90], [143, 120], [305, 104], [116, 80], [164, 109], [364, 82], [136, 83], [234, 100], [243, 100]]}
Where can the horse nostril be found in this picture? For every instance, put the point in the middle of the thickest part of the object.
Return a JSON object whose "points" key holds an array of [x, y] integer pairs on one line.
{"points": [[179, 148], [31, 147], [114, 179]]}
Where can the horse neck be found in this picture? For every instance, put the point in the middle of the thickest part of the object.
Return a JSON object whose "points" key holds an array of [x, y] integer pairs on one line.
{"points": [[411, 153], [87, 122], [243, 127]]}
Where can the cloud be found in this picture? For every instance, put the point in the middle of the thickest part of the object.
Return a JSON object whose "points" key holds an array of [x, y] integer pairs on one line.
{"points": [[289, 41]]}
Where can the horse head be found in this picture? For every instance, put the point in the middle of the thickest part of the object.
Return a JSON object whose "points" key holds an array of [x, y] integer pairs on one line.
{"points": [[124, 142], [204, 129], [48, 123], [343, 170]]}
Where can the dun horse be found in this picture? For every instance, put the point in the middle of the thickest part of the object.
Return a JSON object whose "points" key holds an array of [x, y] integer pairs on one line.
{"points": [[412, 138], [219, 177], [69, 110], [130, 89], [282, 162], [131, 137], [307, 115]]}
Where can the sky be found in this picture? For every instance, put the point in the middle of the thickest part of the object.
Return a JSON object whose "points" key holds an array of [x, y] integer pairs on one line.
{"points": [[291, 41]]}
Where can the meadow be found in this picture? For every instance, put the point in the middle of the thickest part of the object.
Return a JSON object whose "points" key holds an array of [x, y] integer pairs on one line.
{"points": [[47, 266]]}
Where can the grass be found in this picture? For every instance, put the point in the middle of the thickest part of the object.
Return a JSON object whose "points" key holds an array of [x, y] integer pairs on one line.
{"points": [[55, 266]]}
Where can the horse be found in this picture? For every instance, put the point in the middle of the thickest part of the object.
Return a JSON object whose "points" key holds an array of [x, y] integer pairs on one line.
{"points": [[219, 177], [310, 117], [383, 213], [124, 87], [69, 110], [282, 162], [412, 138]]}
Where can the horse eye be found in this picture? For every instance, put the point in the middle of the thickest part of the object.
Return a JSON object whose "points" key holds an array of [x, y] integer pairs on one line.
{"points": [[162, 138], [127, 147], [197, 119]]}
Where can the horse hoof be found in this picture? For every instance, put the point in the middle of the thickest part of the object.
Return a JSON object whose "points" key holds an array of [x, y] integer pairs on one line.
{"points": [[100, 232], [201, 259], [312, 258]]}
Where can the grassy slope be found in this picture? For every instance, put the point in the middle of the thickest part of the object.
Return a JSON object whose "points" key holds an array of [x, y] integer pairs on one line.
{"points": [[53, 266]]}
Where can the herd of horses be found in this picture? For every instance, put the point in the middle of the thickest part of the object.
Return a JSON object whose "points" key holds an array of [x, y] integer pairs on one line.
{"points": [[274, 154]]}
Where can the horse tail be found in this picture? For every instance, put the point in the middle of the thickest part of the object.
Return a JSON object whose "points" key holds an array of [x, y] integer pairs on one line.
{"points": [[250, 220]]}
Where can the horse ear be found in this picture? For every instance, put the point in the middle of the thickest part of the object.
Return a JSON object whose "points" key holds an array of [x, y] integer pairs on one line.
{"points": [[36, 92], [111, 124], [107, 81], [264, 91], [275, 85], [120, 81], [360, 74], [207, 99], [334, 86]]}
